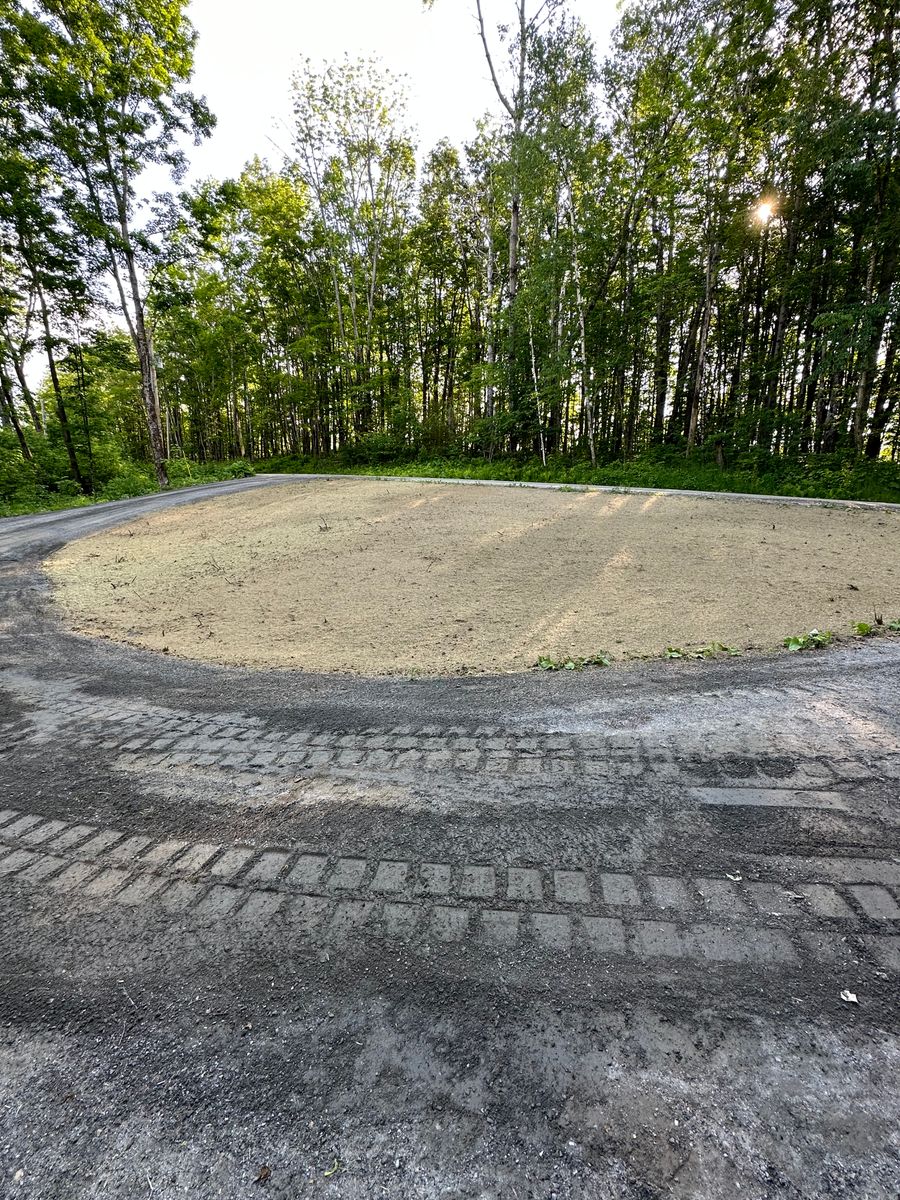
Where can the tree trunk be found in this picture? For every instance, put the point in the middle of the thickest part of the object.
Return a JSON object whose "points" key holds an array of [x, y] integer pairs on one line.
{"points": [[695, 392], [886, 397], [19, 368], [663, 346], [8, 411], [61, 413]]}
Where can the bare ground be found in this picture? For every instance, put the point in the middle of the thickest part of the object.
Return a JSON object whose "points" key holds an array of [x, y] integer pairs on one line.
{"points": [[379, 577]]}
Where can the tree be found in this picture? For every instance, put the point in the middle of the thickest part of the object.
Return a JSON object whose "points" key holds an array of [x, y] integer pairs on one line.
{"points": [[105, 86], [357, 161]]}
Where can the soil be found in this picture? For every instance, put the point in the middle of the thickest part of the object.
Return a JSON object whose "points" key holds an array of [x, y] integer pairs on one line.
{"points": [[375, 577]]}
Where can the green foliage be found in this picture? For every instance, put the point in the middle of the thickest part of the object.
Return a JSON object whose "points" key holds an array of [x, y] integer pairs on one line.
{"points": [[21, 490], [894, 626], [863, 628], [815, 639], [714, 649], [548, 663], [376, 450], [711, 650]]}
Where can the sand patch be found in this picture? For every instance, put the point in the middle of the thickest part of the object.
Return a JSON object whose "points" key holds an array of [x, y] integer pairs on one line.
{"points": [[380, 577]]}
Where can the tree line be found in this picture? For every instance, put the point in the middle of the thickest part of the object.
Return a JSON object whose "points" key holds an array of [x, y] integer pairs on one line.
{"points": [[690, 245]]}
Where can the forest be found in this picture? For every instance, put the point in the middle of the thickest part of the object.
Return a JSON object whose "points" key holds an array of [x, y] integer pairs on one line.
{"points": [[675, 264]]}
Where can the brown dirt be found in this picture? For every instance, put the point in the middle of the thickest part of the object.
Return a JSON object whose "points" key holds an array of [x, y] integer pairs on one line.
{"points": [[383, 577]]}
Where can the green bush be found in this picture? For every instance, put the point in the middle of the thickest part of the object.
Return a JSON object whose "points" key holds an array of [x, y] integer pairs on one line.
{"points": [[239, 469], [375, 449]]}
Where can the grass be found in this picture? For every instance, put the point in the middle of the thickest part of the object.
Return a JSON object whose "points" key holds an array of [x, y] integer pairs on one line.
{"points": [[828, 477], [825, 477], [134, 480]]}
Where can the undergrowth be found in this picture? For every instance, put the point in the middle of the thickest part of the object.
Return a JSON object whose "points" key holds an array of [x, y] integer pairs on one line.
{"points": [[37, 494], [826, 477]]}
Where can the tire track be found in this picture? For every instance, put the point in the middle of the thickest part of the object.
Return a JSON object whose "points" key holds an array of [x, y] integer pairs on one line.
{"points": [[554, 908]]}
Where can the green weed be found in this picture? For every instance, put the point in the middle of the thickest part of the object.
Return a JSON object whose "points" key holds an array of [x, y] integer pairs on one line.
{"points": [[809, 641], [711, 650], [546, 663]]}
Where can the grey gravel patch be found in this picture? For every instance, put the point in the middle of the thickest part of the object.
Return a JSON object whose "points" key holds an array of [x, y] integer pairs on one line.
{"points": [[307, 872], [267, 868], [348, 874], [42, 833], [71, 837], [390, 876], [478, 882], [500, 926], [877, 902], [769, 798], [619, 889], [524, 883], [824, 900], [571, 887]]}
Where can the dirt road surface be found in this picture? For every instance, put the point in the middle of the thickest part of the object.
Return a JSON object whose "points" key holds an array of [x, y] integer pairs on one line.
{"points": [[572, 936]]}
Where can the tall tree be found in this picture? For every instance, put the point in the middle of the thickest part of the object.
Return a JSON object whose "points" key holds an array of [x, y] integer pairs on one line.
{"points": [[105, 83]]}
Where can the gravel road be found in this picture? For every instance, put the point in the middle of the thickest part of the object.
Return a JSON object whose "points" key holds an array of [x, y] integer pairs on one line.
{"points": [[570, 935]]}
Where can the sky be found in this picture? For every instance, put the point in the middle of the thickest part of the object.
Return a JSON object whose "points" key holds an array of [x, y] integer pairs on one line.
{"points": [[246, 54]]}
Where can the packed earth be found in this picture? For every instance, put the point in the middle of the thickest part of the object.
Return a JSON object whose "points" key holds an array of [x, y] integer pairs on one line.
{"points": [[384, 577]]}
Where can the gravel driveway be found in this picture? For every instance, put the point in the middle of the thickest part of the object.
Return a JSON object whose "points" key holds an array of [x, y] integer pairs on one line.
{"points": [[632, 933]]}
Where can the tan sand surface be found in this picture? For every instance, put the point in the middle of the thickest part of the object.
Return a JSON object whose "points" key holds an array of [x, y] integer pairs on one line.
{"points": [[379, 577]]}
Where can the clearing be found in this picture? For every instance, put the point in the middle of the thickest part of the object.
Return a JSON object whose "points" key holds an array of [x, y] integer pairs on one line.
{"points": [[379, 577]]}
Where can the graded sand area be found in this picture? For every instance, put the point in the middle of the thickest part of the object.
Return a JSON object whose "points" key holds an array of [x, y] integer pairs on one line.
{"points": [[395, 577]]}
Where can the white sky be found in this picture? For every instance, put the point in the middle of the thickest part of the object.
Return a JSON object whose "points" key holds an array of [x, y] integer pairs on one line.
{"points": [[246, 54]]}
